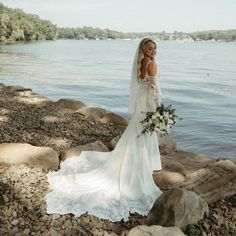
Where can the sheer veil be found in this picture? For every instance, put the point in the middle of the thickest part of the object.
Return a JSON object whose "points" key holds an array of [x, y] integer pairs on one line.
{"points": [[134, 85]]}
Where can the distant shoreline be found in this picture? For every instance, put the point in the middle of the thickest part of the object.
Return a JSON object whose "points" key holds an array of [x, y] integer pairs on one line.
{"points": [[178, 41]]}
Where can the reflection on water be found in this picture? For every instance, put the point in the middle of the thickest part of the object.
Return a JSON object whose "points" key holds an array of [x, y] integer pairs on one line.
{"points": [[199, 79]]}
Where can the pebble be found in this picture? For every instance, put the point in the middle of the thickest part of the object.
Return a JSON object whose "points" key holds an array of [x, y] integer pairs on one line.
{"points": [[14, 222], [5, 198], [56, 216]]}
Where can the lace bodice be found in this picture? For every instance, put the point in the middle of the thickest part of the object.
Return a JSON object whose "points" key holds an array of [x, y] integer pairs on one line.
{"points": [[148, 80], [153, 86]]}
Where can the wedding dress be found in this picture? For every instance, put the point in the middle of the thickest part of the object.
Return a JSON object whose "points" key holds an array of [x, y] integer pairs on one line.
{"points": [[109, 185]]}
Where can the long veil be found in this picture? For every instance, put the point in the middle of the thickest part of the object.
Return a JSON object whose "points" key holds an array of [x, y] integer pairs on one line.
{"points": [[133, 90]]}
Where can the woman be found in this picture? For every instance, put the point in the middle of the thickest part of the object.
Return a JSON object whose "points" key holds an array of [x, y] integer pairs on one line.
{"points": [[109, 185]]}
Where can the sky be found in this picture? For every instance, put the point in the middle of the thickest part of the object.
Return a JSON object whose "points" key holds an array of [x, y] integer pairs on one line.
{"points": [[134, 15]]}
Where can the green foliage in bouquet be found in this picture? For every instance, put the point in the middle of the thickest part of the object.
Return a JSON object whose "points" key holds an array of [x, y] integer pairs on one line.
{"points": [[160, 121]]}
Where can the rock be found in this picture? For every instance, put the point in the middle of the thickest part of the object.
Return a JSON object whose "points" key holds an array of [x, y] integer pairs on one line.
{"points": [[191, 161], [76, 151], [95, 112], [177, 207], [227, 165], [4, 111], [56, 216], [167, 145], [213, 183], [26, 231], [166, 179], [172, 165], [193, 230], [41, 157], [5, 198], [70, 104], [112, 143], [155, 230], [19, 89], [119, 121], [15, 222], [232, 201]]}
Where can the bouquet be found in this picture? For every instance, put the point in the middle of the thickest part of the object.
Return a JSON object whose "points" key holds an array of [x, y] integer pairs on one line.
{"points": [[160, 121]]}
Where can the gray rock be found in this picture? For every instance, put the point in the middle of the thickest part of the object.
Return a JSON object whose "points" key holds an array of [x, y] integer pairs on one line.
{"points": [[95, 112], [191, 161], [70, 104], [214, 182], [5, 198], [119, 121], [15, 222], [177, 207], [167, 145], [171, 165], [155, 230], [112, 143]]}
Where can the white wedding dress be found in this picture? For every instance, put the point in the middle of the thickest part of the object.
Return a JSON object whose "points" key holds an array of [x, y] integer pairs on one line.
{"points": [[109, 185]]}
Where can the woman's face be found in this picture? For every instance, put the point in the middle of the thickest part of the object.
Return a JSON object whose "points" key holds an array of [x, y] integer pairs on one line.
{"points": [[149, 50]]}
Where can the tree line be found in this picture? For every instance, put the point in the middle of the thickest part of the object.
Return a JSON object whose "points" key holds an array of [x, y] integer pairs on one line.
{"points": [[97, 33], [16, 25]]}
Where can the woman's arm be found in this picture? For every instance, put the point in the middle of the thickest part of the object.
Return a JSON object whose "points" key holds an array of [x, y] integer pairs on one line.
{"points": [[152, 71]]}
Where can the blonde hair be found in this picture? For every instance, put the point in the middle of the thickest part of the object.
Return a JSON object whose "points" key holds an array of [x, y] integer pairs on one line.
{"points": [[142, 44]]}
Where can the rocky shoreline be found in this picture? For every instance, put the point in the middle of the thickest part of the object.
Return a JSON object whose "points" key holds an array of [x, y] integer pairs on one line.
{"points": [[67, 127]]}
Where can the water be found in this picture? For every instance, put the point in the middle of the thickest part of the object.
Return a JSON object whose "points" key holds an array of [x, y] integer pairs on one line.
{"points": [[198, 79]]}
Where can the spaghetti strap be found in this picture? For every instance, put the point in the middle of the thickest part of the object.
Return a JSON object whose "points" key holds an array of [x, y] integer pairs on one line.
{"points": [[147, 66]]}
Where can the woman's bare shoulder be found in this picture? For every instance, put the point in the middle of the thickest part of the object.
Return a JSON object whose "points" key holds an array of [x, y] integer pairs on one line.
{"points": [[152, 68]]}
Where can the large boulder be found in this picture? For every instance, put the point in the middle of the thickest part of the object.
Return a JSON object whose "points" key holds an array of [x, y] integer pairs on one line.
{"points": [[40, 157], [119, 121], [177, 207], [95, 112], [155, 230], [167, 179], [76, 151], [70, 104], [171, 165], [214, 182], [189, 160]]}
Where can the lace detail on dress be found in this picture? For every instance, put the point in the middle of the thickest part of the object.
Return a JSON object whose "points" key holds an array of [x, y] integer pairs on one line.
{"points": [[154, 87], [115, 210]]}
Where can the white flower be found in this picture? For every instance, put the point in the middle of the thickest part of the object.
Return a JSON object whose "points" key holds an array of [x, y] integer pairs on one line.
{"points": [[154, 117], [165, 114]]}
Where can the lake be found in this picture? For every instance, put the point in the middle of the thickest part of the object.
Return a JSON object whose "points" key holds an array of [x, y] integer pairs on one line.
{"points": [[198, 79]]}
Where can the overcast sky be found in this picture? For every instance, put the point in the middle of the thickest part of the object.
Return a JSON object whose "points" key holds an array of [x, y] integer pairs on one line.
{"points": [[134, 15]]}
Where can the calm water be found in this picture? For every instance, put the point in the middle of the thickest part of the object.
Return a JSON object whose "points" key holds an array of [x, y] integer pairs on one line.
{"points": [[199, 79]]}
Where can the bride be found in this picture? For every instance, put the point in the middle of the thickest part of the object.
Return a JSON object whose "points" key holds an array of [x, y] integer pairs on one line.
{"points": [[109, 185]]}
